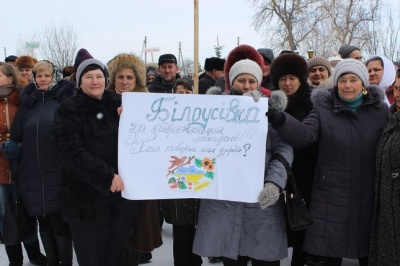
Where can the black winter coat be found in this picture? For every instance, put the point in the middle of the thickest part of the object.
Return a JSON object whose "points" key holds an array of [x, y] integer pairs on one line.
{"points": [[305, 159], [342, 196], [385, 236], [205, 83], [38, 174], [181, 211], [86, 142], [158, 86]]}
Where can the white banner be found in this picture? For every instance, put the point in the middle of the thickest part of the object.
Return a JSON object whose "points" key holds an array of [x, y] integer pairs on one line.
{"points": [[192, 146]]}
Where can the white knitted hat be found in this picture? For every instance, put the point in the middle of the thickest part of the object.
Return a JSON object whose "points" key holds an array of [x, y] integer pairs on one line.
{"points": [[353, 66], [245, 66]]}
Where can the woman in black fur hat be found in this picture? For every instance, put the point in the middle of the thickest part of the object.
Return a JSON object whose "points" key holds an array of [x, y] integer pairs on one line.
{"points": [[289, 74]]}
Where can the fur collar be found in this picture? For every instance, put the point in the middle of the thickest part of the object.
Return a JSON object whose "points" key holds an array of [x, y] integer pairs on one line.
{"points": [[83, 104], [63, 89], [328, 98]]}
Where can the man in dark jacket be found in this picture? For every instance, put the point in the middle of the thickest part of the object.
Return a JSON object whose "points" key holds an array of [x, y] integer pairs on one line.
{"points": [[214, 67], [168, 70]]}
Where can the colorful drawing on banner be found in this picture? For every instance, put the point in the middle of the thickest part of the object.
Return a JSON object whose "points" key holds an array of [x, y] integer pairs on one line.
{"points": [[190, 173]]}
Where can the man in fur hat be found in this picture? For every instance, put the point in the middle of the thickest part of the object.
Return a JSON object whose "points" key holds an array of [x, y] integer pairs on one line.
{"points": [[214, 67], [25, 65]]}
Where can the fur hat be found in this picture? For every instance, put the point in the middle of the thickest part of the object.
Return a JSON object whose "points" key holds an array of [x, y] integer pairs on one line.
{"points": [[352, 66], [267, 53], [245, 66], [346, 49], [239, 53], [81, 56], [151, 68], [125, 60], [319, 61], [25, 61], [289, 64], [214, 63], [86, 63]]}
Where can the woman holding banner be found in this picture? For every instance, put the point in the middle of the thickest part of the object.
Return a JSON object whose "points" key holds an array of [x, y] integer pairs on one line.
{"points": [[128, 74], [239, 231], [86, 143]]}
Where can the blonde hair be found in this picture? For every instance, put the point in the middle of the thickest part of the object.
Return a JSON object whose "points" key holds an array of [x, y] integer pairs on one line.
{"points": [[43, 66]]}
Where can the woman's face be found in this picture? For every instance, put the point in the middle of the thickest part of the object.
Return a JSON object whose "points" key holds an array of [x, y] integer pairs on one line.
{"points": [[375, 70], [43, 79], [289, 84], [4, 80], [125, 80], [317, 74], [150, 78], [93, 83], [396, 91], [349, 86], [245, 83]]}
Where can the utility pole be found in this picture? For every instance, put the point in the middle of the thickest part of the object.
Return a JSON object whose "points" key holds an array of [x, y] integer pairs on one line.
{"points": [[196, 46], [5, 52], [238, 42], [180, 58], [144, 49]]}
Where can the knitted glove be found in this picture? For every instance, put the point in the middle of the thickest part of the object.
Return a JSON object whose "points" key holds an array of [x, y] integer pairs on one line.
{"points": [[269, 195], [275, 117], [255, 94]]}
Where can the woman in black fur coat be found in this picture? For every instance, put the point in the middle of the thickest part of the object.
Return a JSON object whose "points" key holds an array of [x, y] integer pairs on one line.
{"points": [[86, 141], [289, 74]]}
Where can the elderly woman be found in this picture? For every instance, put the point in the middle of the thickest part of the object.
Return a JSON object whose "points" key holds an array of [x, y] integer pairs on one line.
{"points": [[382, 73], [289, 74], [86, 143], [128, 74], [238, 231], [38, 173], [385, 236], [319, 71], [347, 122]]}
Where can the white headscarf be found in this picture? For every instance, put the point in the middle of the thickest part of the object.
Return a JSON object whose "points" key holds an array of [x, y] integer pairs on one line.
{"points": [[389, 73]]}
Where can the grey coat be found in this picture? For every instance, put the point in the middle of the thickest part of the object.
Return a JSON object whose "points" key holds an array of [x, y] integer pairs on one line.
{"points": [[385, 235], [229, 229], [342, 196]]}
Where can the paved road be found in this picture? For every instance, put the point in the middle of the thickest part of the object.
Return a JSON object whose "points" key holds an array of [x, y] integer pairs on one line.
{"points": [[161, 256]]}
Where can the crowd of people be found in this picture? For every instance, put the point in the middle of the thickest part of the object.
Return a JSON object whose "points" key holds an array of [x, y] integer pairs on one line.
{"points": [[335, 120]]}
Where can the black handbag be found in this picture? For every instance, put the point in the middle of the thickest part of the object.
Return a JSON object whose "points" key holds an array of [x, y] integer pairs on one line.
{"points": [[297, 215], [17, 224]]}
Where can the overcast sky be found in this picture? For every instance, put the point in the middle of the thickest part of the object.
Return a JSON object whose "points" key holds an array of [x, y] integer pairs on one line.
{"points": [[106, 28]]}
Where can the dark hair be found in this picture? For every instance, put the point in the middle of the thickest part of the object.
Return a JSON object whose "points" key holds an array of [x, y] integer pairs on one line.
{"points": [[376, 59], [10, 71], [89, 68], [398, 73], [67, 71], [184, 82]]}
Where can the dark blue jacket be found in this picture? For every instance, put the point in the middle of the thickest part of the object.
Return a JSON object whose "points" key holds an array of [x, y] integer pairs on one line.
{"points": [[38, 174]]}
